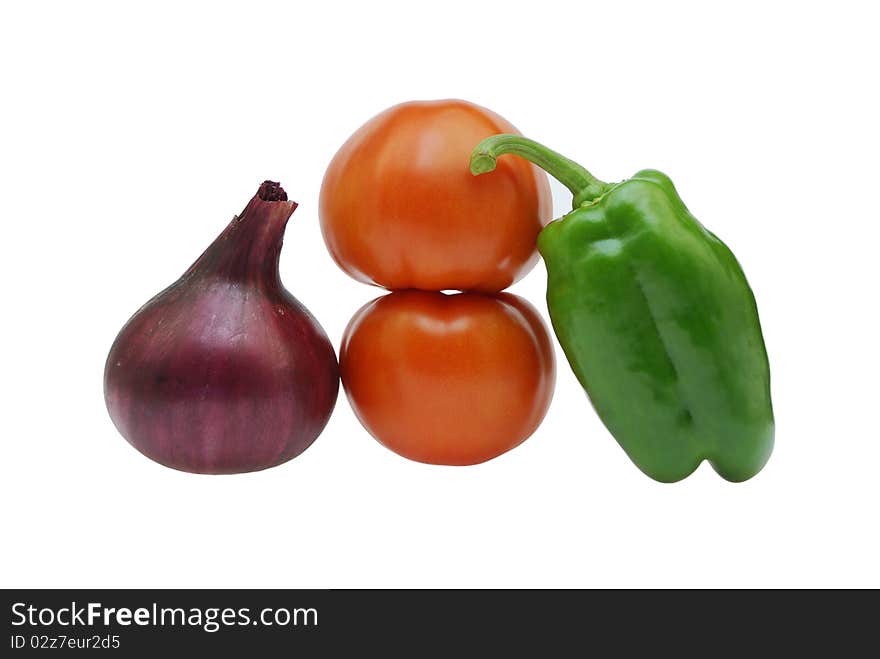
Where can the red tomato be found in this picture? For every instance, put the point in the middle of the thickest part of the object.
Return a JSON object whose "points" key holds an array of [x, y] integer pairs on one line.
{"points": [[400, 209], [448, 379]]}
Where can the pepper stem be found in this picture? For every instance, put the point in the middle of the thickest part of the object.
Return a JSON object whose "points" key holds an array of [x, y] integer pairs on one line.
{"points": [[583, 185]]}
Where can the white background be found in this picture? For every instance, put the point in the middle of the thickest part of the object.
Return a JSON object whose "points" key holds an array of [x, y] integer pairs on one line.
{"points": [[130, 136]]}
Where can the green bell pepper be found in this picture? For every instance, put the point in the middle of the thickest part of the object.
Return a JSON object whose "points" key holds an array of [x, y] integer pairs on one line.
{"points": [[656, 319]]}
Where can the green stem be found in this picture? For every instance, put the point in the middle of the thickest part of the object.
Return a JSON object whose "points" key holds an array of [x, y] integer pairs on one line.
{"points": [[583, 185]]}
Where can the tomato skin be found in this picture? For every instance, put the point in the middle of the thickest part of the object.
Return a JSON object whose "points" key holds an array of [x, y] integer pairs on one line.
{"points": [[448, 379], [399, 207]]}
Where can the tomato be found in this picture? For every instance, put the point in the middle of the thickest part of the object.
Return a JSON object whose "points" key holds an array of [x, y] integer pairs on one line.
{"points": [[399, 207], [448, 379]]}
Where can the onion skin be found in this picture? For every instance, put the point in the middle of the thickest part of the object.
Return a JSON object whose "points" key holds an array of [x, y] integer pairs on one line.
{"points": [[225, 371]]}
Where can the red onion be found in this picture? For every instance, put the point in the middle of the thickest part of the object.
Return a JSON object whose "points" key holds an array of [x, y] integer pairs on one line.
{"points": [[225, 371]]}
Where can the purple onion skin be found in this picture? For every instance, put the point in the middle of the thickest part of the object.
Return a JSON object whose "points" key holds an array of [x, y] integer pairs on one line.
{"points": [[225, 371]]}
